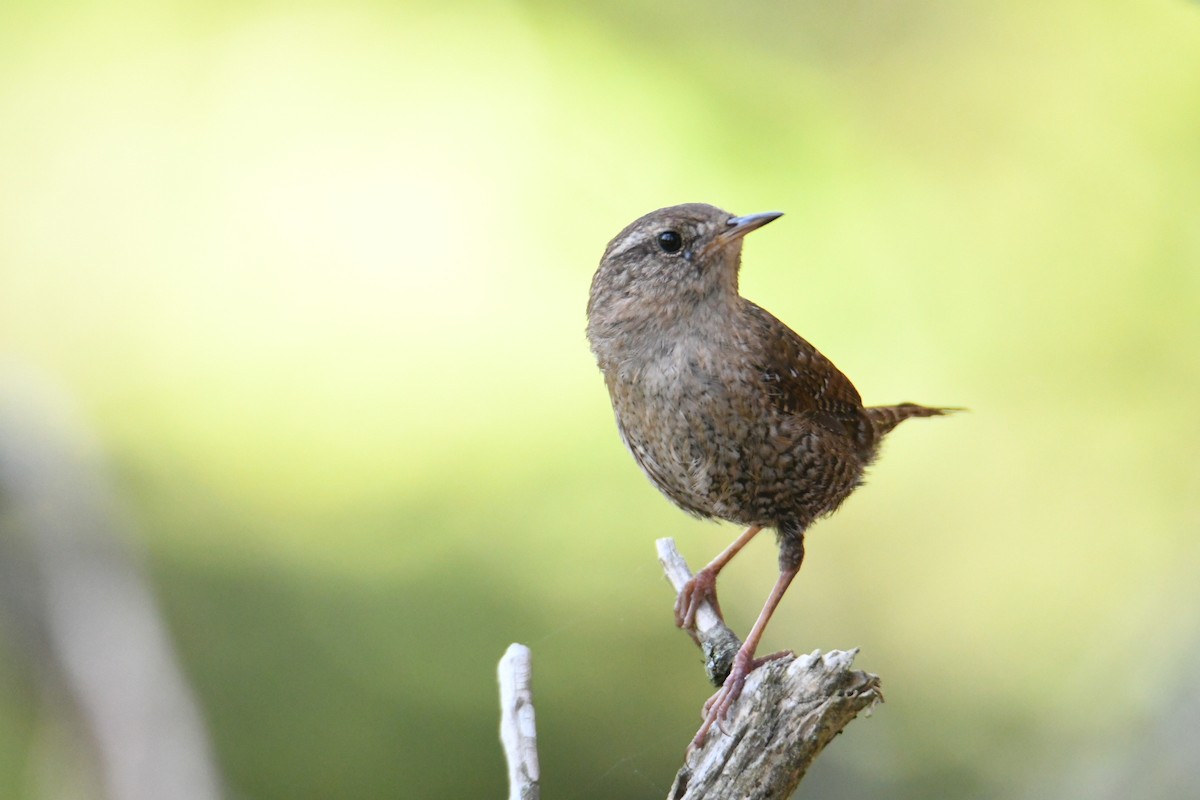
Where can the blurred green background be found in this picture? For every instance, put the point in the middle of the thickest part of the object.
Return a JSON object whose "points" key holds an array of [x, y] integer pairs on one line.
{"points": [[314, 275]]}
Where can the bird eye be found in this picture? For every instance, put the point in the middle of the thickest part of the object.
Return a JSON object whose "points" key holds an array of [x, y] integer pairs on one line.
{"points": [[670, 242]]}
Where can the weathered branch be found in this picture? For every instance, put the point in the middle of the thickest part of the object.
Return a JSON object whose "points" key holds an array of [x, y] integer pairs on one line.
{"points": [[714, 638], [789, 710], [74, 591], [518, 732]]}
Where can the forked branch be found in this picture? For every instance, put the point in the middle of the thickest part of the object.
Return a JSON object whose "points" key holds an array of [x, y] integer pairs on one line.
{"points": [[789, 709]]}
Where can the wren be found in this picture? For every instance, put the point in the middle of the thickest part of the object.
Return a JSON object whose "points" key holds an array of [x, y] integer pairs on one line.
{"points": [[728, 412]]}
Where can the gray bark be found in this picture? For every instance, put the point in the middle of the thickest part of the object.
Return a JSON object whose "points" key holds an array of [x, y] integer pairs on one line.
{"points": [[789, 710]]}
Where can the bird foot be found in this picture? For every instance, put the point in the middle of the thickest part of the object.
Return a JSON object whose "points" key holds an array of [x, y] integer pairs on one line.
{"points": [[716, 708], [700, 587]]}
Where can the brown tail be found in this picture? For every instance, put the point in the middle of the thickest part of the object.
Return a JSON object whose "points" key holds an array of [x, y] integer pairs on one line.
{"points": [[884, 418]]}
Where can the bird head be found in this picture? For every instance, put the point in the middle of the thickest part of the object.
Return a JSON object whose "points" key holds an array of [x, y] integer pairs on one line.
{"points": [[668, 265]]}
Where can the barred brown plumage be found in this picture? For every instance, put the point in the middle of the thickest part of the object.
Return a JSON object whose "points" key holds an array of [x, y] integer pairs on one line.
{"points": [[727, 411]]}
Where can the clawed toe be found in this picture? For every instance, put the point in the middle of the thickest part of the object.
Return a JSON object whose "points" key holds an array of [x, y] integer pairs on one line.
{"points": [[716, 708], [758, 662], [700, 587]]}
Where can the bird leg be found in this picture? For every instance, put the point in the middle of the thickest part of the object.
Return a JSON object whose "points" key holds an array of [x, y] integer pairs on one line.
{"points": [[703, 585], [744, 662]]}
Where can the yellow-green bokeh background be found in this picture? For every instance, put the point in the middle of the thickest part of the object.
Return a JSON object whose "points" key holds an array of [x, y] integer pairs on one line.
{"points": [[315, 275]]}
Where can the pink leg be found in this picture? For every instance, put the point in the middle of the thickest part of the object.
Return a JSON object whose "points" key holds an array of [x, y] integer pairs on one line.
{"points": [[718, 705], [703, 585]]}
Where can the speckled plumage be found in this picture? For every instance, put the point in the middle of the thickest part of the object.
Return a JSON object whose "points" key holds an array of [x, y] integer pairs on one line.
{"points": [[729, 413]]}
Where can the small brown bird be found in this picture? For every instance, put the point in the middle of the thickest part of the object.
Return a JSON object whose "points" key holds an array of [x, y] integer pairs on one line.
{"points": [[727, 411]]}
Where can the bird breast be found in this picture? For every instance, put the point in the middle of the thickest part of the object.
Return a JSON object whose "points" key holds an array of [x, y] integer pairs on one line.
{"points": [[683, 424]]}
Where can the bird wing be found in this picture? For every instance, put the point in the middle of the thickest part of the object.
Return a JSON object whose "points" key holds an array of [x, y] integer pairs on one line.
{"points": [[801, 382]]}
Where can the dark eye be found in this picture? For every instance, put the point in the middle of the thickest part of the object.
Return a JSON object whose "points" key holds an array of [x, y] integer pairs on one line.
{"points": [[670, 242]]}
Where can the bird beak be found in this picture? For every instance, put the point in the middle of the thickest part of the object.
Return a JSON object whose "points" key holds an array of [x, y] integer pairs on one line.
{"points": [[737, 227]]}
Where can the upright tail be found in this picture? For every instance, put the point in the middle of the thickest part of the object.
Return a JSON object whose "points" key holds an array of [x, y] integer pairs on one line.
{"points": [[884, 418]]}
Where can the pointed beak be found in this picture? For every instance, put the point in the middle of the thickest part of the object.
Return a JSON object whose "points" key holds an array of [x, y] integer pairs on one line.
{"points": [[737, 227]]}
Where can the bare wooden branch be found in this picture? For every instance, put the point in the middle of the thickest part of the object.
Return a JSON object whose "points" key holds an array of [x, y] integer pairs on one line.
{"points": [[125, 722], [788, 711], [790, 708], [714, 638], [518, 729]]}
